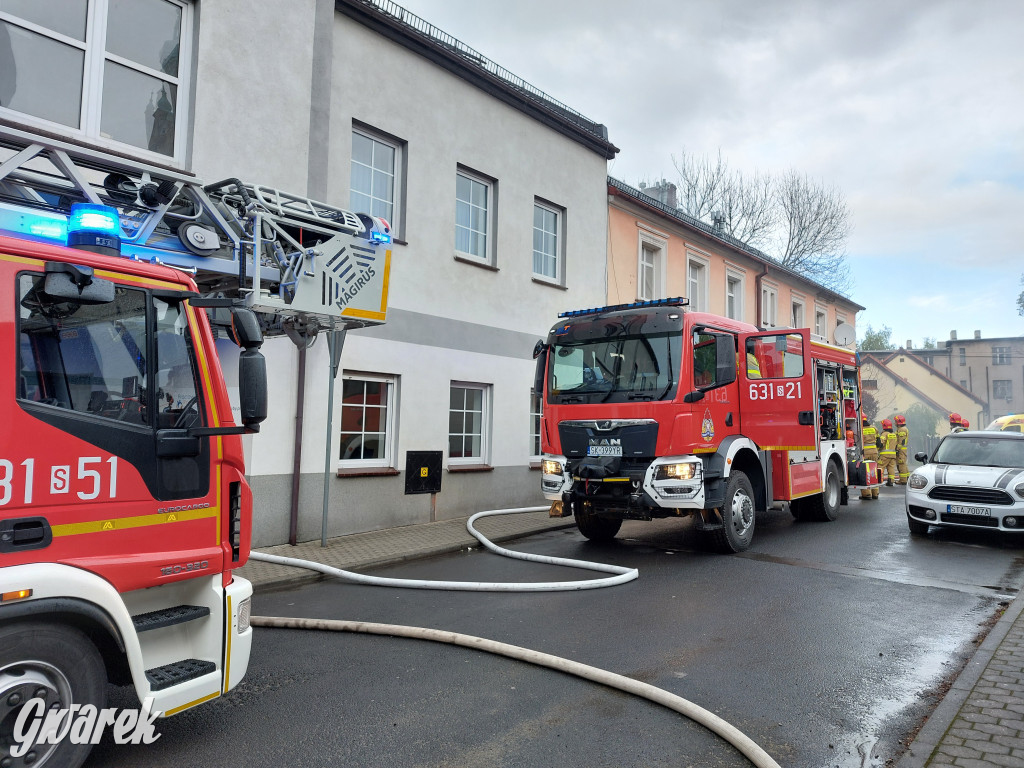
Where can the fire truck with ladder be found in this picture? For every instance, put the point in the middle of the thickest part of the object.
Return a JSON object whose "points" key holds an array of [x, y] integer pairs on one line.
{"points": [[124, 507], [653, 411]]}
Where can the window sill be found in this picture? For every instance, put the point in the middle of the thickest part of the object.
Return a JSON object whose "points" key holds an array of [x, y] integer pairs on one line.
{"points": [[470, 468], [399, 241], [368, 472], [549, 283], [475, 262]]}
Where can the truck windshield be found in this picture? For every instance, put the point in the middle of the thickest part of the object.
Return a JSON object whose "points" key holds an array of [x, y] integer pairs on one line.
{"points": [[618, 369]]}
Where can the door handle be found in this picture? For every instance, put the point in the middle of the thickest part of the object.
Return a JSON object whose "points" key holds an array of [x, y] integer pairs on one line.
{"points": [[21, 534], [805, 418]]}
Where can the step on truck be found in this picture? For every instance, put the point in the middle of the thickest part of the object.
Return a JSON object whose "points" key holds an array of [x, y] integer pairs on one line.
{"points": [[124, 506], [653, 411]]}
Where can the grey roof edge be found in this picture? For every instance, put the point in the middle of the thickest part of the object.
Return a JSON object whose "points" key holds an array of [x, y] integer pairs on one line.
{"points": [[874, 356], [709, 231], [419, 36], [917, 359]]}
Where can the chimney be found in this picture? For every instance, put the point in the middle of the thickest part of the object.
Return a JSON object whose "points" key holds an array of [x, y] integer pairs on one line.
{"points": [[977, 334], [910, 343], [663, 191], [952, 335]]}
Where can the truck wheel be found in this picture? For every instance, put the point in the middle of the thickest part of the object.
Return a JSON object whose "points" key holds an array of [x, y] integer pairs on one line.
{"points": [[595, 527], [917, 528], [737, 529], [825, 506], [57, 664]]}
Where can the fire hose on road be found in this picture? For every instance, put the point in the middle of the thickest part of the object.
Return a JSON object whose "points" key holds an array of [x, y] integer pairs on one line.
{"points": [[743, 743]]}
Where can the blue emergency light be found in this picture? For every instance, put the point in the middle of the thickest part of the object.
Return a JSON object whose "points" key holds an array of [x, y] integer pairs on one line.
{"points": [[674, 302], [95, 228], [380, 237]]}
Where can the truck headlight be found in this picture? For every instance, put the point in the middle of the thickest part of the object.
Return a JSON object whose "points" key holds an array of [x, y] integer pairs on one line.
{"points": [[676, 471], [917, 481], [551, 467]]}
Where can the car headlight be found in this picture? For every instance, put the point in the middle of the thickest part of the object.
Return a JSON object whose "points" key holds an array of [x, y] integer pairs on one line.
{"points": [[550, 467], [1019, 490], [676, 471], [917, 481]]}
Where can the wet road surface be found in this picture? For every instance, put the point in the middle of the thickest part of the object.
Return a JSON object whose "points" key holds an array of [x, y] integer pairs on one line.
{"points": [[827, 643]]}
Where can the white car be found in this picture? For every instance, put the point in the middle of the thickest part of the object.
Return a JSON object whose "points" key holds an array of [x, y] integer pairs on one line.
{"points": [[972, 480]]}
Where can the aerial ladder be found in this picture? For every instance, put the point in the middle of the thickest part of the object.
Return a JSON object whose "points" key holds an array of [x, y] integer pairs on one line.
{"points": [[304, 266]]}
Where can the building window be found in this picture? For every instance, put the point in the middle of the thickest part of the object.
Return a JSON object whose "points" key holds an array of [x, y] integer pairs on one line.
{"points": [[376, 182], [1000, 355], [734, 296], [536, 406], [769, 307], [650, 268], [820, 322], [870, 384], [797, 314], [467, 416], [367, 410], [963, 383], [963, 355], [474, 216], [1002, 389], [697, 283], [547, 242], [112, 72]]}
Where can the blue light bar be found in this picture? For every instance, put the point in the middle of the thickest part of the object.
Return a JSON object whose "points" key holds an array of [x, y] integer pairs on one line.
{"points": [[678, 301], [95, 228], [33, 225], [380, 237]]}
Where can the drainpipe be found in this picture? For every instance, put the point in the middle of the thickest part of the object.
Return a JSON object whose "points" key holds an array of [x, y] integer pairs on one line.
{"points": [[300, 388]]}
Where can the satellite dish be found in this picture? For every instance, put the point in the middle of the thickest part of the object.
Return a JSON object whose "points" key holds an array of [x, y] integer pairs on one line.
{"points": [[843, 334]]}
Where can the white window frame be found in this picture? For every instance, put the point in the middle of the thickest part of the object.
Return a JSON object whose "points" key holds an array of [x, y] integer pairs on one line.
{"points": [[821, 321], [657, 247], [697, 283], [485, 430], [490, 185], [95, 58], [559, 252], [1001, 355], [769, 306], [536, 413], [734, 278], [797, 311], [1007, 386], [397, 180], [390, 438]]}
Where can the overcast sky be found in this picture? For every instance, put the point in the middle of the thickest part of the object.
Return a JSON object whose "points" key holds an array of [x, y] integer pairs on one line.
{"points": [[913, 109]]}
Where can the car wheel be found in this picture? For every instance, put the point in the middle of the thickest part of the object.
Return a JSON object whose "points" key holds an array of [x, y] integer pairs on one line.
{"points": [[737, 529]]}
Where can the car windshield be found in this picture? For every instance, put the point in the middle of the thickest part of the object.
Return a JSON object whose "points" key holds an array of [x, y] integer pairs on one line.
{"points": [[980, 451], [617, 369]]}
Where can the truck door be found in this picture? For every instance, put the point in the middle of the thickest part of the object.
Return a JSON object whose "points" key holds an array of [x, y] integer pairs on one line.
{"points": [[777, 399], [96, 448]]}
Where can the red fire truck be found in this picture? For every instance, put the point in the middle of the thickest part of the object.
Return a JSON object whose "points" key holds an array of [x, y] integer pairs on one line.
{"points": [[651, 411], [124, 508]]}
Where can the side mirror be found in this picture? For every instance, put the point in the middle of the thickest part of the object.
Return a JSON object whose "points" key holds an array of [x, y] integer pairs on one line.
{"points": [[252, 388], [725, 360], [539, 348], [693, 397], [921, 456], [245, 328], [540, 355], [70, 282]]}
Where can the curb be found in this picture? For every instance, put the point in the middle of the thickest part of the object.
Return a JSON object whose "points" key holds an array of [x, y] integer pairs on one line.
{"points": [[303, 576], [932, 732]]}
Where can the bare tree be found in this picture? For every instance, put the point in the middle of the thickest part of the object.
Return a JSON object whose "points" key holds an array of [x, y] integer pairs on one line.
{"points": [[800, 223]]}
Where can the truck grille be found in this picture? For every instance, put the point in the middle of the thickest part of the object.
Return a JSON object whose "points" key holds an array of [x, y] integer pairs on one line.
{"points": [[969, 495]]}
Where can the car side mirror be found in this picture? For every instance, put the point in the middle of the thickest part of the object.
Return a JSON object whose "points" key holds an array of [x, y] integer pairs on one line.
{"points": [[921, 456]]}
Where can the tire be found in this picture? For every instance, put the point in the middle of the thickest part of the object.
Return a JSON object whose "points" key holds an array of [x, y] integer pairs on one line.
{"points": [[798, 509], [737, 512], [824, 507], [54, 660], [917, 528], [594, 526]]}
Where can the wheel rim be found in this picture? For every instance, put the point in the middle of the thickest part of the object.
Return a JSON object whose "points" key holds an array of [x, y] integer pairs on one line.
{"points": [[19, 683], [741, 513], [833, 490]]}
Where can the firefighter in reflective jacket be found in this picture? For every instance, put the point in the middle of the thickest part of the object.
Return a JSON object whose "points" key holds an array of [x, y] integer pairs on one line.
{"points": [[887, 452], [902, 441], [870, 436]]}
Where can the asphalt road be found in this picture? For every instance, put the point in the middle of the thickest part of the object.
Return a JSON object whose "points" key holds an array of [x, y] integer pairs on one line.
{"points": [[827, 643]]}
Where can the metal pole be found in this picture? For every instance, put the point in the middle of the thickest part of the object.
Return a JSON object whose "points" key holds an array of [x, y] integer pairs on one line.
{"points": [[335, 341]]}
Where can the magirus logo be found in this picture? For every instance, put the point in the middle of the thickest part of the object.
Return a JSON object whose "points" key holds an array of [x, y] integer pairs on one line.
{"points": [[38, 727]]}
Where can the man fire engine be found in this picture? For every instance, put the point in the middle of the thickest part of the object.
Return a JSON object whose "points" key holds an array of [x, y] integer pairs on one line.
{"points": [[651, 411], [124, 507]]}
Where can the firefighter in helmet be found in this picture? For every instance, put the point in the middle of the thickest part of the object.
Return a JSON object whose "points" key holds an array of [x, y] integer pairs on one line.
{"points": [[902, 441], [887, 451], [870, 436], [964, 424], [954, 422]]}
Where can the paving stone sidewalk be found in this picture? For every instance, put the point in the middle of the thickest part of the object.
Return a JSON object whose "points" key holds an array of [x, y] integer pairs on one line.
{"points": [[393, 545], [980, 721]]}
